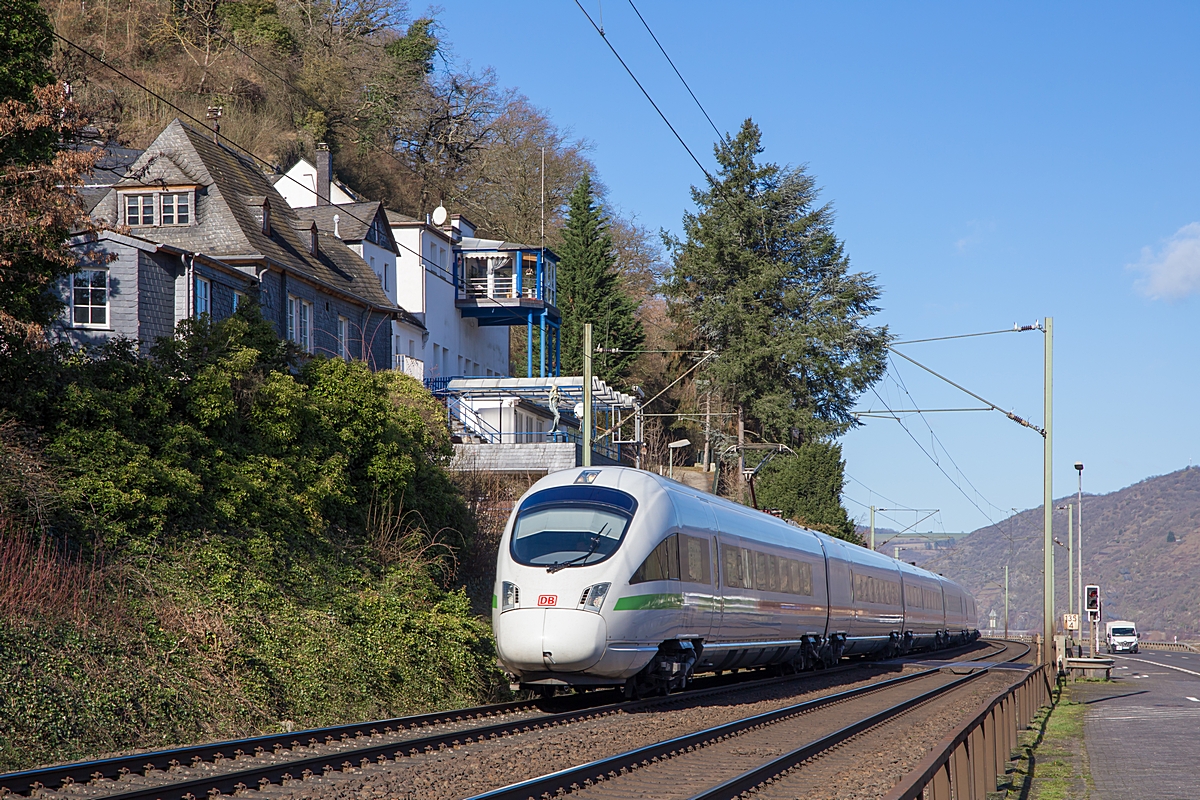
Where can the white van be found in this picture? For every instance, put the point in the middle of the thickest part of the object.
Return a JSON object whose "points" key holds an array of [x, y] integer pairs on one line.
{"points": [[1121, 635]]}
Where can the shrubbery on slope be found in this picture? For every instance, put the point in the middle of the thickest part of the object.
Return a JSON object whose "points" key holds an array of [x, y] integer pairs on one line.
{"points": [[258, 545]]}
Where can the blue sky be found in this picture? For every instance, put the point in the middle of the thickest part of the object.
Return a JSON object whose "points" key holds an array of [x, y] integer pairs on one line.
{"points": [[990, 164]]}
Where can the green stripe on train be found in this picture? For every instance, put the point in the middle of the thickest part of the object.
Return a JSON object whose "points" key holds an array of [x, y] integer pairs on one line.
{"points": [[644, 602], [495, 601]]}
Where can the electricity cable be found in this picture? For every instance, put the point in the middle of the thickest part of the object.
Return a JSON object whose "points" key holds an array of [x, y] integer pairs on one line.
{"points": [[895, 375], [600, 31], [970, 499], [720, 136]]}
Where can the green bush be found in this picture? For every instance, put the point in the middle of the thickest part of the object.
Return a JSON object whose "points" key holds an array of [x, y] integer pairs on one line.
{"points": [[277, 536]]}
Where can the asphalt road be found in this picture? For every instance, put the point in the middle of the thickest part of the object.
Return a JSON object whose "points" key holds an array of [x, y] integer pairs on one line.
{"points": [[1142, 730]]}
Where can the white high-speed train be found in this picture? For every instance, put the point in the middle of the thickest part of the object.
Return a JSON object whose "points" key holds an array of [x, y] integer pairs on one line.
{"points": [[616, 576]]}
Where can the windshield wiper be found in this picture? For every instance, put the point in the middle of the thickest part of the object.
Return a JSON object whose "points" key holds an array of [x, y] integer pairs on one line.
{"points": [[557, 566]]}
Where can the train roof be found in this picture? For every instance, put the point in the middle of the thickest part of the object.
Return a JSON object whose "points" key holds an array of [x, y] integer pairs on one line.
{"points": [[637, 481]]}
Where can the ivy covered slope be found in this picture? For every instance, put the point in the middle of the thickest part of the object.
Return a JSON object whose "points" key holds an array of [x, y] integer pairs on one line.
{"points": [[209, 542]]}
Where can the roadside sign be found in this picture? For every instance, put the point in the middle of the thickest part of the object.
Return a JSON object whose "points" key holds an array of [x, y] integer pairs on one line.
{"points": [[1071, 622]]}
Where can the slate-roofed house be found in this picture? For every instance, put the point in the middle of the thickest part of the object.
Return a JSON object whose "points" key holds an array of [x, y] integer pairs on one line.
{"points": [[364, 228], [207, 229]]}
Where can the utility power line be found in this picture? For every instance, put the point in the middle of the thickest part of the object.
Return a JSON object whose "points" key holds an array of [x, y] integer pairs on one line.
{"points": [[600, 31], [899, 380], [672, 63], [935, 462]]}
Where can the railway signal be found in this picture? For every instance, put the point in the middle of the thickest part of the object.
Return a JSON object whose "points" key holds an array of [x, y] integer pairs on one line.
{"points": [[1092, 602]]}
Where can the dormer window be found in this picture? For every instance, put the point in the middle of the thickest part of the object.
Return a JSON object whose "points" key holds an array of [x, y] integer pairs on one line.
{"points": [[146, 209], [176, 210], [139, 210]]}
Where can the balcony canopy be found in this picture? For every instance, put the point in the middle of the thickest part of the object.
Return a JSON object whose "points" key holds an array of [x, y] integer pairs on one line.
{"points": [[570, 390]]}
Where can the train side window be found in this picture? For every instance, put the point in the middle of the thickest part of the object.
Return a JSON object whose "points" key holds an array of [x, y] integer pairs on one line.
{"points": [[662, 564], [802, 578], [693, 559], [749, 570], [732, 559]]}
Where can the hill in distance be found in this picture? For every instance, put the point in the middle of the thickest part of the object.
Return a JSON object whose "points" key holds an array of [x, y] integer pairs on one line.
{"points": [[1141, 545]]}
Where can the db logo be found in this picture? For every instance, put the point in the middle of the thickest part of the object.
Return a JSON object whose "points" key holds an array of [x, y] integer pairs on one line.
{"points": [[547, 599]]}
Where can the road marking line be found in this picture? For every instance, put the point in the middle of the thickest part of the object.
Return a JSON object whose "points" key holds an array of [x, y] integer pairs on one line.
{"points": [[1155, 663]]}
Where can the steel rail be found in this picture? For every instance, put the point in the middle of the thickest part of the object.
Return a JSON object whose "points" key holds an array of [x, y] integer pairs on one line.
{"points": [[751, 779], [584, 774], [24, 781], [575, 777], [28, 781]]}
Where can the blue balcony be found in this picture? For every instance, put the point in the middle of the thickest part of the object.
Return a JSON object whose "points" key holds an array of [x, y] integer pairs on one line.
{"points": [[505, 284]]}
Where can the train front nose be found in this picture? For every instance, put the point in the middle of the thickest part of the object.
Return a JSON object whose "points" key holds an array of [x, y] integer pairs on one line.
{"points": [[550, 639]]}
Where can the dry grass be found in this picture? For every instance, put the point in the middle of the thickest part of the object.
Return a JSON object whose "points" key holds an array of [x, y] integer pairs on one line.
{"points": [[41, 580]]}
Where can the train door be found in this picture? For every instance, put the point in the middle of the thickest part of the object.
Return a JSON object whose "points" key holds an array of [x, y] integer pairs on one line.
{"points": [[698, 568]]}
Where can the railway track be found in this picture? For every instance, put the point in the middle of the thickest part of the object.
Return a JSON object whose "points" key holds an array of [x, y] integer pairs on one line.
{"points": [[749, 755], [285, 759]]}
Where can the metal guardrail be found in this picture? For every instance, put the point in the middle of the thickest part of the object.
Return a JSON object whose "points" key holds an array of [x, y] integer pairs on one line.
{"points": [[967, 762], [1185, 647]]}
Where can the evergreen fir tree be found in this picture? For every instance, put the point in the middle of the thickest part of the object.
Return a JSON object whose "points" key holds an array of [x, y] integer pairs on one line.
{"points": [[762, 280], [807, 487], [589, 290]]}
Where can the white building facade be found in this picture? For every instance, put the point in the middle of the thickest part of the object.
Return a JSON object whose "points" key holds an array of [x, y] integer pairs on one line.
{"points": [[457, 346], [414, 261]]}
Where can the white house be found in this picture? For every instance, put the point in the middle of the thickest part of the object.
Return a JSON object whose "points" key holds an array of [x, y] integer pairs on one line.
{"points": [[307, 184], [458, 345], [415, 262]]}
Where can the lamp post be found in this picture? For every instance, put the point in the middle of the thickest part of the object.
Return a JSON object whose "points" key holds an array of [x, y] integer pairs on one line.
{"points": [[1070, 545], [1079, 546], [671, 448]]}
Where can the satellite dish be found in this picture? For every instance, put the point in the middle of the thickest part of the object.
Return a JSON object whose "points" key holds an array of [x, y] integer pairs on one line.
{"points": [[439, 216]]}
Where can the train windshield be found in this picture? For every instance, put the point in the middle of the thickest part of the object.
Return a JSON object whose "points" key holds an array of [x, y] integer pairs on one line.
{"points": [[571, 526]]}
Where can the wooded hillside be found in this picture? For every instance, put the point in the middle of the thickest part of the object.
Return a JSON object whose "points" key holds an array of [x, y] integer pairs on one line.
{"points": [[1140, 544]]}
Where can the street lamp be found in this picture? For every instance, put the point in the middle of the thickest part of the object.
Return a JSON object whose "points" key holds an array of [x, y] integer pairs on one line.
{"points": [[1079, 547], [1070, 546], [671, 448]]}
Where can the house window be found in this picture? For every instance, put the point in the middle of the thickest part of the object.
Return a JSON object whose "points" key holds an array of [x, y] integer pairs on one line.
{"points": [[239, 300], [175, 209], [139, 210], [342, 337], [203, 296], [300, 313], [89, 298]]}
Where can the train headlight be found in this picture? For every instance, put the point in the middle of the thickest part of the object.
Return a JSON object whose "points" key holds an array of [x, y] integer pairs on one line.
{"points": [[593, 597], [510, 596]]}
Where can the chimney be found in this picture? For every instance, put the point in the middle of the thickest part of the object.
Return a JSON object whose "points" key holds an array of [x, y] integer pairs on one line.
{"points": [[313, 243], [324, 173], [337, 231], [266, 217]]}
